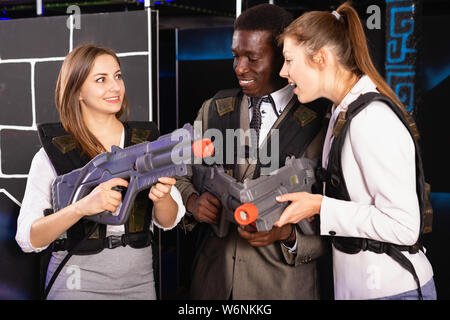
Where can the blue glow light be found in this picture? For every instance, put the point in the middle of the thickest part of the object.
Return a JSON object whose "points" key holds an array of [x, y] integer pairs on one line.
{"points": [[440, 201], [205, 44], [10, 293], [7, 227], [435, 75]]}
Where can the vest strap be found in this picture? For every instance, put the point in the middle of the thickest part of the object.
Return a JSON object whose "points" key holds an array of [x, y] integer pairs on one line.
{"points": [[135, 240], [336, 186]]}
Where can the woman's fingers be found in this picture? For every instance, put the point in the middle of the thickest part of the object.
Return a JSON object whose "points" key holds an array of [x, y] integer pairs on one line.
{"points": [[287, 197], [283, 220], [114, 182], [167, 180]]}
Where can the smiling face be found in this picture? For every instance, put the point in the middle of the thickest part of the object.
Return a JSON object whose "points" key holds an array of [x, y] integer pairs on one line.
{"points": [[255, 62], [300, 71], [103, 90]]}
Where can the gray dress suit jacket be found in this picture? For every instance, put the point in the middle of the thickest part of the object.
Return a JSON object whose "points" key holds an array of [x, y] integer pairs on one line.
{"points": [[230, 267]]}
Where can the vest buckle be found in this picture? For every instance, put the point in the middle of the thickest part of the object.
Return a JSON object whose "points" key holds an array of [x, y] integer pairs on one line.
{"points": [[114, 242], [374, 246], [414, 248]]}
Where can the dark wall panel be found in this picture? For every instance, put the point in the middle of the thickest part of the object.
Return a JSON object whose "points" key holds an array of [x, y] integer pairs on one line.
{"points": [[46, 74], [15, 186], [18, 148], [34, 38], [135, 74], [15, 94], [123, 32]]}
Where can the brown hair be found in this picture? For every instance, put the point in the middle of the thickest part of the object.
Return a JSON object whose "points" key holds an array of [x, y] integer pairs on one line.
{"points": [[73, 73], [346, 37]]}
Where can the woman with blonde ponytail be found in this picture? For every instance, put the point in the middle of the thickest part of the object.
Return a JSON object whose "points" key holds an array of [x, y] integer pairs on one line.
{"points": [[371, 167]]}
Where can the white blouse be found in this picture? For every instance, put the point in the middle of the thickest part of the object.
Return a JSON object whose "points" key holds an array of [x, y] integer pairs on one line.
{"points": [[38, 197], [378, 163]]}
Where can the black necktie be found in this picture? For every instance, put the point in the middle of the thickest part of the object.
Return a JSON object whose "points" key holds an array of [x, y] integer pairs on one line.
{"points": [[256, 116]]}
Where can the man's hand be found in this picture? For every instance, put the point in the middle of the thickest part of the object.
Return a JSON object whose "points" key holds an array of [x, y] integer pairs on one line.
{"points": [[204, 208], [264, 238]]}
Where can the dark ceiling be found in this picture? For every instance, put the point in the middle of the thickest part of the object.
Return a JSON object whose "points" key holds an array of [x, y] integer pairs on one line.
{"points": [[12, 9]]}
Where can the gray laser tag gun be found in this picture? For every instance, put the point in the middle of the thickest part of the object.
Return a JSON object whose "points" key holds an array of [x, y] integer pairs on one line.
{"points": [[258, 195], [253, 201], [141, 164], [214, 180]]}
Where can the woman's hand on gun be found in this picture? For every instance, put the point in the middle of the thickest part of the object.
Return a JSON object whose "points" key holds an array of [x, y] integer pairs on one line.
{"points": [[303, 205], [161, 190], [102, 198]]}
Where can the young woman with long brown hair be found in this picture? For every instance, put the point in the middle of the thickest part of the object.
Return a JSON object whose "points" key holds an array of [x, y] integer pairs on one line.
{"points": [[371, 206], [90, 98]]}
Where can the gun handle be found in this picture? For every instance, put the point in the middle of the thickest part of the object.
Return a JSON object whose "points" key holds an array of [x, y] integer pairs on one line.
{"points": [[221, 229], [106, 217]]}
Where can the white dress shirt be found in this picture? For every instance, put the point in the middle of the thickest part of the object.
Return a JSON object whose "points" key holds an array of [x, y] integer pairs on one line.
{"points": [[378, 163], [38, 197], [281, 98]]}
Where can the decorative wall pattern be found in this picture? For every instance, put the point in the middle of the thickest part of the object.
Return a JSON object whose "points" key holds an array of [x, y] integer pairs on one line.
{"points": [[401, 49]]}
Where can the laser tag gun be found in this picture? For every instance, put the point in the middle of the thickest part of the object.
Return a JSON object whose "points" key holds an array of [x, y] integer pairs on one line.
{"points": [[253, 201], [259, 195], [214, 180], [141, 164]]}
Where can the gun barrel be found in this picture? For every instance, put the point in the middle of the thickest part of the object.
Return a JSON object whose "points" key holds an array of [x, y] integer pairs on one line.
{"points": [[186, 154], [171, 154], [246, 214]]}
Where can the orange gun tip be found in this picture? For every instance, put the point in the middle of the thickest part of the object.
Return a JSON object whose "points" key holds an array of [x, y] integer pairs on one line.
{"points": [[246, 214], [203, 148]]}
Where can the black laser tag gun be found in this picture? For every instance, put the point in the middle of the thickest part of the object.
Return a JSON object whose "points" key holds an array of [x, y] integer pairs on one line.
{"points": [[141, 164], [254, 200]]}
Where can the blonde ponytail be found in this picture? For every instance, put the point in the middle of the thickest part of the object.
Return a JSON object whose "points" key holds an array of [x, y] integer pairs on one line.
{"points": [[344, 33]]}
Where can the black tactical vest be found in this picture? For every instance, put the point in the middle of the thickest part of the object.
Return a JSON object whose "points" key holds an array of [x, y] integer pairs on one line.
{"points": [[296, 131], [65, 157], [335, 186]]}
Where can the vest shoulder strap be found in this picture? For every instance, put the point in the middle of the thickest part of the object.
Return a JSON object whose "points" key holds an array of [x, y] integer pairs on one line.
{"points": [[60, 147], [336, 186], [140, 131], [225, 101], [297, 130]]}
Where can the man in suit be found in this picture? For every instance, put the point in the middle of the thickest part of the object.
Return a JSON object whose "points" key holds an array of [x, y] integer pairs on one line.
{"points": [[247, 264]]}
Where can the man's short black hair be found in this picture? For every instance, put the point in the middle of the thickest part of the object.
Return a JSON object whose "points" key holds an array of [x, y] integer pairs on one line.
{"points": [[266, 17]]}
